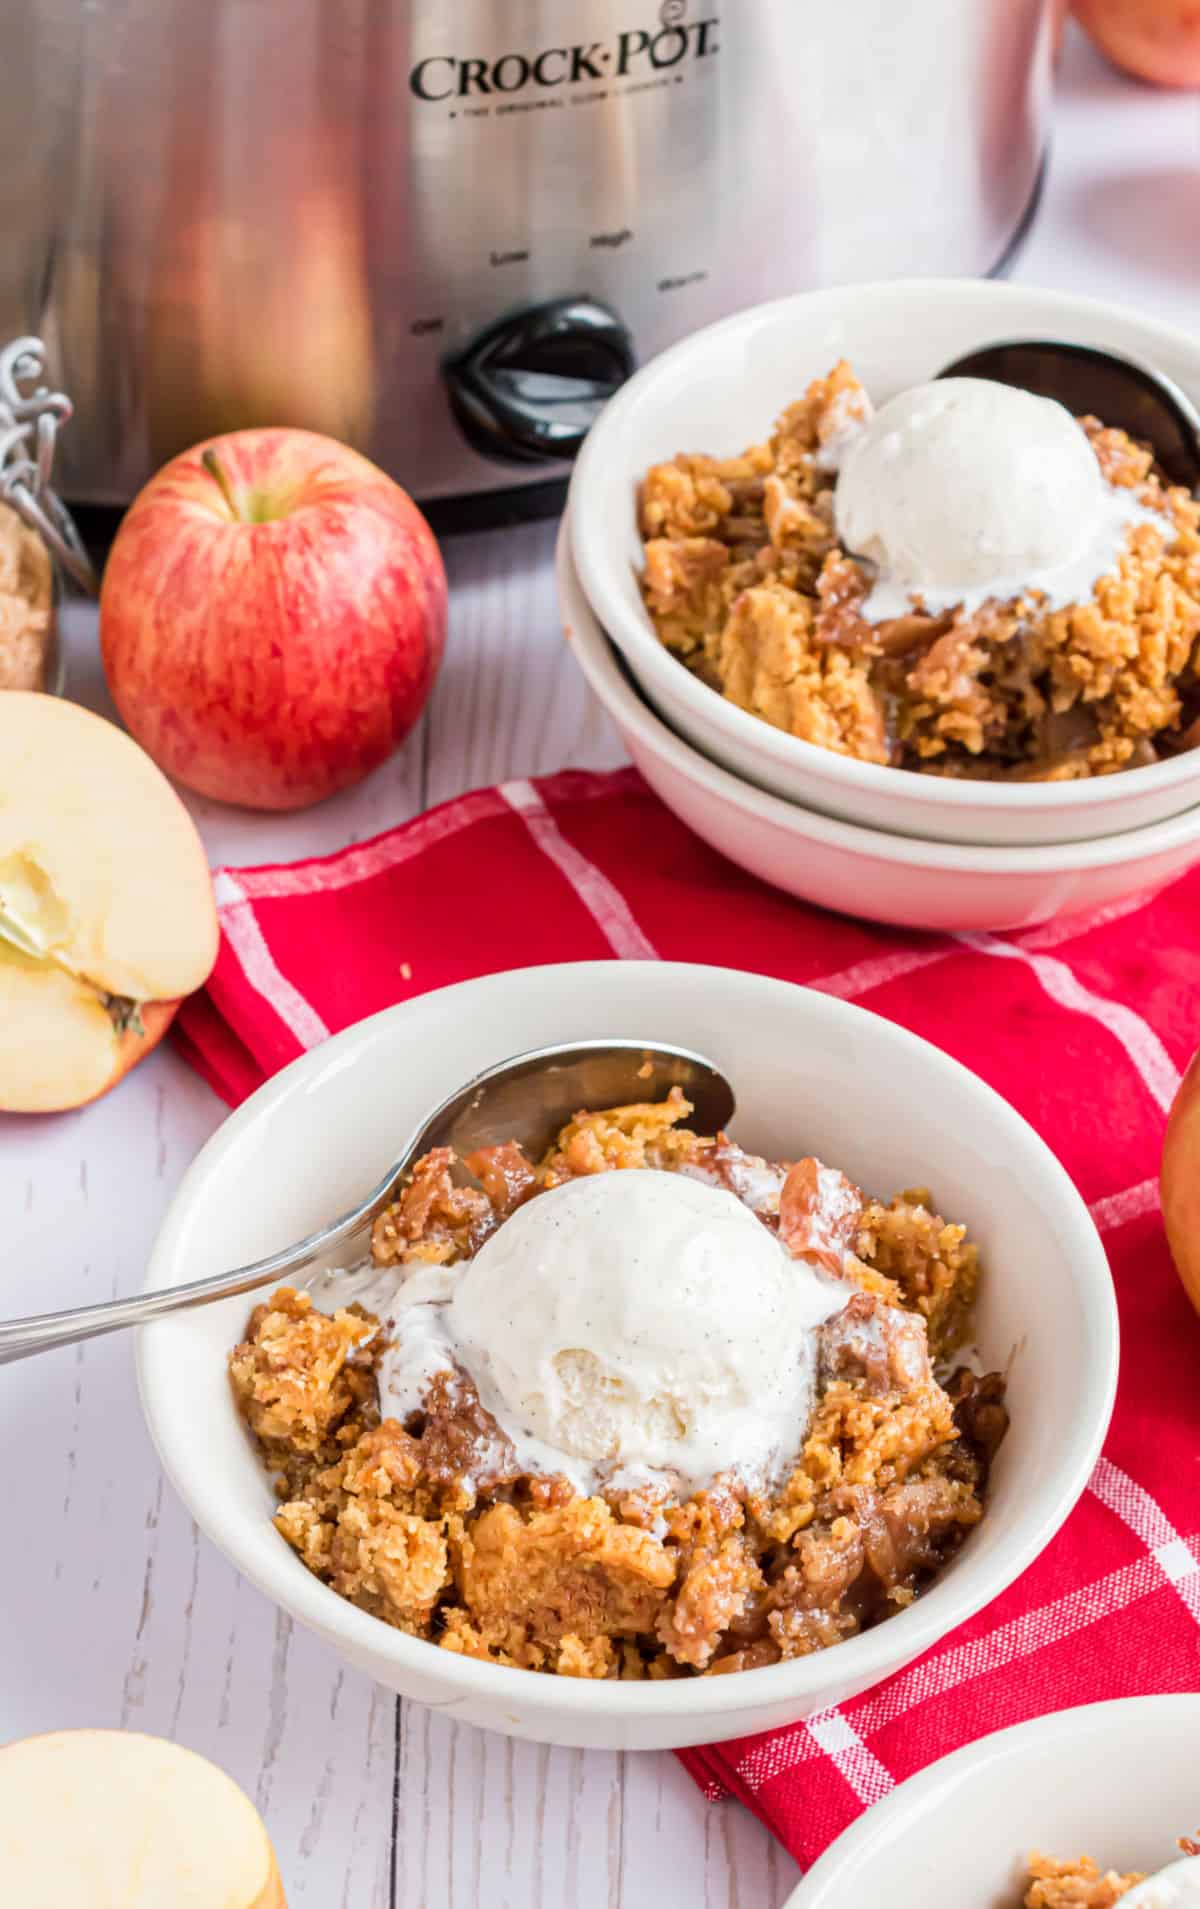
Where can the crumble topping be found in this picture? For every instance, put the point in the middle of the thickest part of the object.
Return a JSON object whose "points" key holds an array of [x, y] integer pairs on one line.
{"points": [[1078, 1885]]}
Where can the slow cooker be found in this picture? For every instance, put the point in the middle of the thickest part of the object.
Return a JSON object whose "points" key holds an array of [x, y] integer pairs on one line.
{"points": [[446, 232]]}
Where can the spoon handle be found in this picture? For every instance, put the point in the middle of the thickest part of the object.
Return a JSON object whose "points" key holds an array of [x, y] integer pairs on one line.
{"points": [[21, 1338], [530, 1095], [45, 1331]]}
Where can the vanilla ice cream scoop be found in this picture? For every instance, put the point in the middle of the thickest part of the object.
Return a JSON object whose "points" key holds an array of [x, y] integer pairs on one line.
{"points": [[965, 489], [628, 1324], [1175, 1887]]}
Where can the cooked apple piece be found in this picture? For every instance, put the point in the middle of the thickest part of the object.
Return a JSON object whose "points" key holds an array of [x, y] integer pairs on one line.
{"points": [[106, 907], [90, 1818]]}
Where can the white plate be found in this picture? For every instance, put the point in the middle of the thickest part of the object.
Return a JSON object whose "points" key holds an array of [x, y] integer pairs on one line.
{"points": [[718, 391], [862, 871], [809, 1071], [1114, 1781]]}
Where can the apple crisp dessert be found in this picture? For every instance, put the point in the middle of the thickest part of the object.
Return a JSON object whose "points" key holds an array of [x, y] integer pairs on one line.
{"points": [[748, 585], [569, 1552]]}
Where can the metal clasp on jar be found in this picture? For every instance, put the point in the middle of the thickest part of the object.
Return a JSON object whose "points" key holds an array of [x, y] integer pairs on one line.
{"points": [[31, 416]]}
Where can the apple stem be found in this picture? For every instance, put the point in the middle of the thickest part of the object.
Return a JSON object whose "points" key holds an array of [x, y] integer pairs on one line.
{"points": [[216, 471]]}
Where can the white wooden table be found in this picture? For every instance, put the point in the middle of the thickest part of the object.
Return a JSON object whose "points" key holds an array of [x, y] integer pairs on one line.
{"points": [[112, 1610]]}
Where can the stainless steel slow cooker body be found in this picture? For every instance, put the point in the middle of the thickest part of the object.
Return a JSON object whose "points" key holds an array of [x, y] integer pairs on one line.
{"points": [[445, 232]]}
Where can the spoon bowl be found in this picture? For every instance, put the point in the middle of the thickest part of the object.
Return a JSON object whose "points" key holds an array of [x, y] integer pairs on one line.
{"points": [[526, 1098]]}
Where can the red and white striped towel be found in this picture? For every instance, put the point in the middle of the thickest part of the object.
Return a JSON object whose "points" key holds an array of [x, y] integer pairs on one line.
{"points": [[1084, 1025]]}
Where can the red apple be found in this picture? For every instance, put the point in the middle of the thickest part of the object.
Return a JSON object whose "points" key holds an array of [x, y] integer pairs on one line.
{"points": [[272, 617], [1179, 1181], [1155, 40]]}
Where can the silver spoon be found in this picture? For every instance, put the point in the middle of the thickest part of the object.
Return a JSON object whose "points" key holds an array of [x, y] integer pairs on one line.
{"points": [[1123, 391], [528, 1099]]}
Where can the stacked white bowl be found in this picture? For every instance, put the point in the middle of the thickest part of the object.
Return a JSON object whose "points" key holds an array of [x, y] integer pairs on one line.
{"points": [[923, 851], [1114, 1779]]}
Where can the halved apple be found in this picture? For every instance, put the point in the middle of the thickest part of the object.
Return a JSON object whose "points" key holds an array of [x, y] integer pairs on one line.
{"points": [[92, 1818], [106, 906]]}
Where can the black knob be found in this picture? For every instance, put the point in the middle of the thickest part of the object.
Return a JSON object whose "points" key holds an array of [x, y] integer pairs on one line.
{"points": [[529, 387]]}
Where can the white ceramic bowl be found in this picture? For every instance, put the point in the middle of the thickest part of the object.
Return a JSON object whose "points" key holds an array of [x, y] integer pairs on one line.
{"points": [[720, 390], [809, 1071], [1114, 1781], [863, 871]]}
